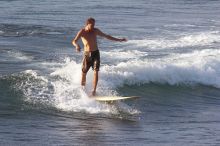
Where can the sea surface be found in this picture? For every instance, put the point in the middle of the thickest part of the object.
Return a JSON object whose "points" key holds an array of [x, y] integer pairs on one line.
{"points": [[171, 61]]}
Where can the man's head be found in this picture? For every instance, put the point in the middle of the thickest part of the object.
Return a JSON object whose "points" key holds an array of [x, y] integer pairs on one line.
{"points": [[90, 24]]}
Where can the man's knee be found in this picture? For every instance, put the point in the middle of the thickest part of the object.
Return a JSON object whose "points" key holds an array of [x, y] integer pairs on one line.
{"points": [[96, 65], [85, 70], [96, 71]]}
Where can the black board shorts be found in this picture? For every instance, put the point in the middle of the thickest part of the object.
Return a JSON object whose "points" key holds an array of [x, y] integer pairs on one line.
{"points": [[91, 59]]}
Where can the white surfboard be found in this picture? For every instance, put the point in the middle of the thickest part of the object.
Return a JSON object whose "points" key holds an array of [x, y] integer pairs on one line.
{"points": [[113, 98]]}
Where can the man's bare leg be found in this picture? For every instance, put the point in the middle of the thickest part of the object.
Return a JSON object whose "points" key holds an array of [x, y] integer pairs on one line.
{"points": [[83, 80], [95, 81]]}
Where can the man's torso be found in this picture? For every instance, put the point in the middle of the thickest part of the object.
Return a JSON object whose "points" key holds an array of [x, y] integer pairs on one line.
{"points": [[89, 40]]}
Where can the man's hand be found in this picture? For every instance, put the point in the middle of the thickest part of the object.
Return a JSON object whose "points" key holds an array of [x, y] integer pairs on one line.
{"points": [[78, 48], [74, 41], [123, 40]]}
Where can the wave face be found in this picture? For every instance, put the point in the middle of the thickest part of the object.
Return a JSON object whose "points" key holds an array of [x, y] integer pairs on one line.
{"points": [[200, 67], [60, 88]]}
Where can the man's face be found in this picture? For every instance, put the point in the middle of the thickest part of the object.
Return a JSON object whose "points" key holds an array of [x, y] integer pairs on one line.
{"points": [[90, 26]]}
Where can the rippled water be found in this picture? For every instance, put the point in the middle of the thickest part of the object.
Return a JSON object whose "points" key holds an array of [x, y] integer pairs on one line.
{"points": [[171, 60]]}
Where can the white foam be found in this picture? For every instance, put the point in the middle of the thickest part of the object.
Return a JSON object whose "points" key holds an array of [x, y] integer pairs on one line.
{"points": [[197, 67], [122, 55], [62, 89], [34, 74], [69, 71], [69, 95], [34, 86], [196, 39]]}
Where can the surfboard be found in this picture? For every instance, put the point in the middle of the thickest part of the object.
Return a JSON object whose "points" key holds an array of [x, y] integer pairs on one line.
{"points": [[113, 98]]}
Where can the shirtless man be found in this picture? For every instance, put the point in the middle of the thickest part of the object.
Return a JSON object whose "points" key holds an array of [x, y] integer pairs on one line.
{"points": [[91, 58]]}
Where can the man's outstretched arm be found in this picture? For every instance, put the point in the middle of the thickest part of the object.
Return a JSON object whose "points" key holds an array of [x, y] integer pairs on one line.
{"points": [[74, 41], [100, 33]]}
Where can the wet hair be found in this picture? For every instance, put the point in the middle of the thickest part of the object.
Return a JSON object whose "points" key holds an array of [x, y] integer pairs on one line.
{"points": [[90, 20]]}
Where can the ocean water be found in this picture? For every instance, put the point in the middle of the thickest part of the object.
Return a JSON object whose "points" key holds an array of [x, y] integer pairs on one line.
{"points": [[171, 60]]}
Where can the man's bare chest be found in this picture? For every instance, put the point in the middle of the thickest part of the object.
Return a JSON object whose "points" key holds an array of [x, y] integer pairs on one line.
{"points": [[89, 37]]}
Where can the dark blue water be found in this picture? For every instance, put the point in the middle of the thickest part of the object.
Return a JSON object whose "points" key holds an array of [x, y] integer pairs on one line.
{"points": [[171, 60]]}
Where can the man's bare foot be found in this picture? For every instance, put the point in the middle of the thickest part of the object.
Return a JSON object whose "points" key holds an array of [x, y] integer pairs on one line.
{"points": [[93, 93], [83, 88]]}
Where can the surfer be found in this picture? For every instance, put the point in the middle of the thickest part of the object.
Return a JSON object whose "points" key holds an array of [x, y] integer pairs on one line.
{"points": [[91, 57]]}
